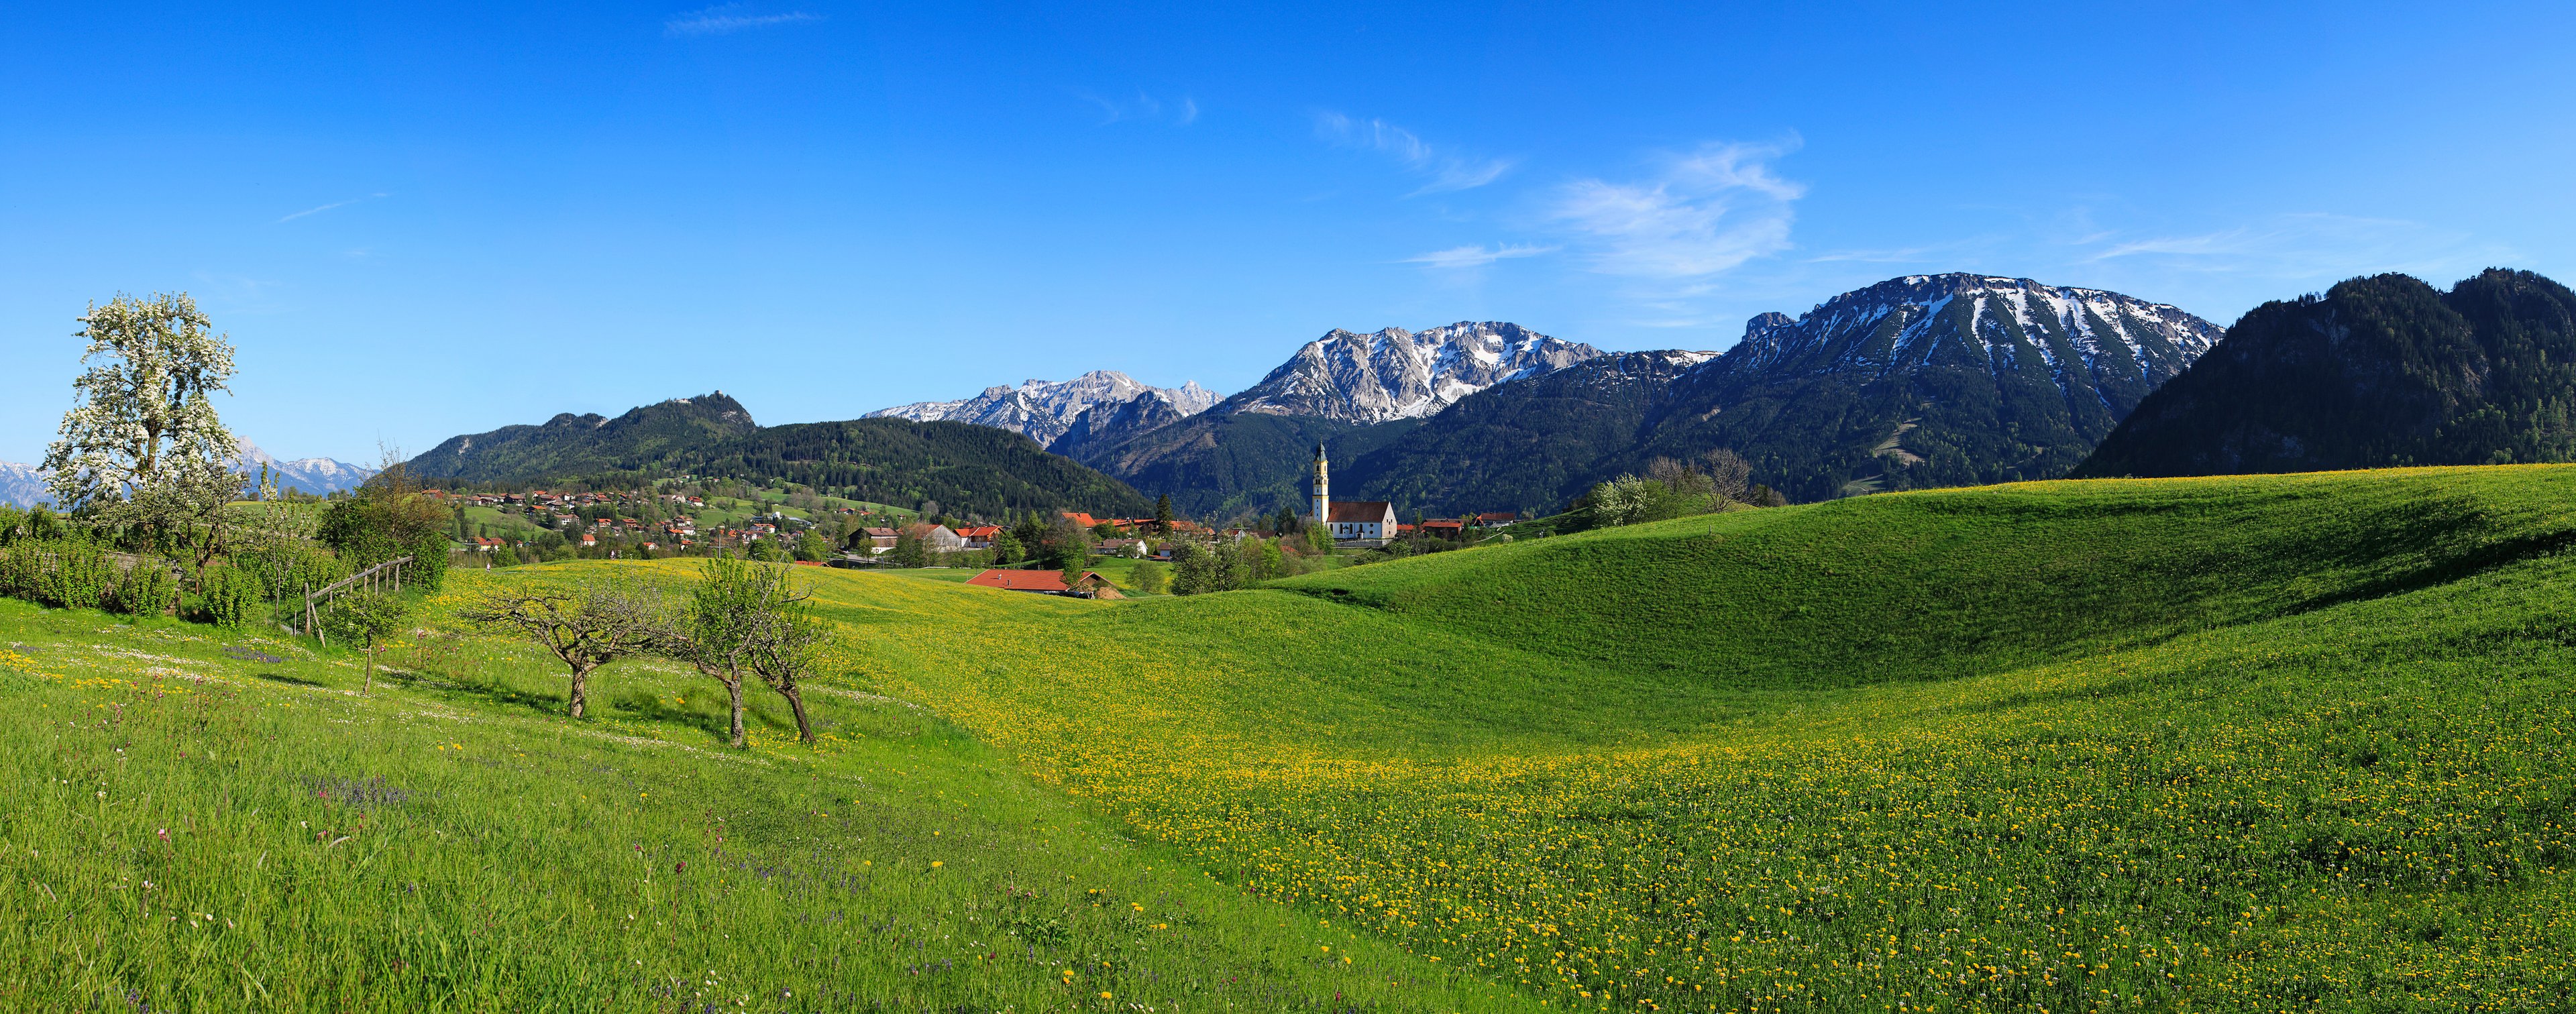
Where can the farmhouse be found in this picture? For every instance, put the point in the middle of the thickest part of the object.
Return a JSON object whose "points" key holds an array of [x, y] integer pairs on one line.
{"points": [[1047, 582]]}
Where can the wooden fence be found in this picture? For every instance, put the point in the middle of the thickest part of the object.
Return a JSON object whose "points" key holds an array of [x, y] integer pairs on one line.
{"points": [[382, 575]]}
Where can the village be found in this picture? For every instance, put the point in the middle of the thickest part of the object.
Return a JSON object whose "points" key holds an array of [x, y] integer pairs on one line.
{"points": [[1028, 551]]}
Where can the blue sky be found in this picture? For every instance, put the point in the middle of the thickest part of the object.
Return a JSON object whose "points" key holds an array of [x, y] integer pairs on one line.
{"points": [[416, 224]]}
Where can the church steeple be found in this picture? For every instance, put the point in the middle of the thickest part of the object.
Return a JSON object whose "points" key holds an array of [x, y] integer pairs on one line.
{"points": [[1323, 479]]}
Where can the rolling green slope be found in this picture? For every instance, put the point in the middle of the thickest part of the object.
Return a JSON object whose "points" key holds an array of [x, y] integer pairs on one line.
{"points": [[2286, 742], [1929, 585], [206, 819], [2300, 741]]}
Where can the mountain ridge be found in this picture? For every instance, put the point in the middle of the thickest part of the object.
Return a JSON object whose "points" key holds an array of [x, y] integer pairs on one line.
{"points": [[965, 467], [1043, 410], [2379, 370]]}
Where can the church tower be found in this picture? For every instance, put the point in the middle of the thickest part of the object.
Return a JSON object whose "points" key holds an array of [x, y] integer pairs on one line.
{"points": [[1323, 487]]}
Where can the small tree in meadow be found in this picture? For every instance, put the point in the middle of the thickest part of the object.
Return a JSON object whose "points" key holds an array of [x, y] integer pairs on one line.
{"points": [[365, 617], [746, 618], [585, 626], [785, 649]]}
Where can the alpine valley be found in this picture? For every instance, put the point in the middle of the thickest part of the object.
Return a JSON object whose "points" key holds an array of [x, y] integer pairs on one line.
{"points": [[1915, 382]]}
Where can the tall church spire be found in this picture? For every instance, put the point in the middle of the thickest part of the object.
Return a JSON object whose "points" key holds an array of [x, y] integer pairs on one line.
{"points": [[1323, 479]]}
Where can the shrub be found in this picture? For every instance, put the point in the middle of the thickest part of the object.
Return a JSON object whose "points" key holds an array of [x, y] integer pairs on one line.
{"points": [[229, 597], [143, 590], [72, 574]]}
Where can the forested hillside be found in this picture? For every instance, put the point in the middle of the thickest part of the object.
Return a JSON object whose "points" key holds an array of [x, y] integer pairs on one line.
{"points": [[963, 466], [967, 468], [1217, 463], [2384, 370], [1531, 446]]}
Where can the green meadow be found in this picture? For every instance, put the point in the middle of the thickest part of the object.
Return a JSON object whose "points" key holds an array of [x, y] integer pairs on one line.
{"points": [[2277, 743]]}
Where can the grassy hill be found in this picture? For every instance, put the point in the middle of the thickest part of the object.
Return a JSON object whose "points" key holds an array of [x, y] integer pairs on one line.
{"points": [[199, 819], [2214, 743], [2297, 741]]}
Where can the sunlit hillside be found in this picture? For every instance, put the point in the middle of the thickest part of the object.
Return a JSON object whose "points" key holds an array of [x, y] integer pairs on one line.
{"points": [[2287, 742], [2210, 742]]}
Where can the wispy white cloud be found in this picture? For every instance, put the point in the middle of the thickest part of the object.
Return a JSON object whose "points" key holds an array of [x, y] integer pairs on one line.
{"points": [[327, 207], [2303, 245], [725, 19], [1446, 172], [1143, 107], [1476, 256], [1700, 214]]}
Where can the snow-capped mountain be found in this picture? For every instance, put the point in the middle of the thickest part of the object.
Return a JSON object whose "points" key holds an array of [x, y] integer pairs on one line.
{"points": [[2082, 337], [1045, 409], [23, 485], [1400, 374], [316, 476], [1930, 380]]}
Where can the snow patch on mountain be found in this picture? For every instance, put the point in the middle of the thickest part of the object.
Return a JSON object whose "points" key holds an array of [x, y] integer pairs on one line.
{"points": [[316, 476], [1399, 374], [1044, 410], [1900, 323], [23, 485]]}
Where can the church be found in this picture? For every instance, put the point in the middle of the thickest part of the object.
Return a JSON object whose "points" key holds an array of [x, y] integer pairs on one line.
{"points": [[1366, 523]]}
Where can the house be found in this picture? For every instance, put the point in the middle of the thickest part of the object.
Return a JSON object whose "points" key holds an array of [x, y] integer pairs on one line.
{"points": [[979, 536], [1364, 521], [1497, 519], [1444, 528], [1083, 518], [1047, 582], [484, 545], [589, 541], [879, 540], [942, 539]]}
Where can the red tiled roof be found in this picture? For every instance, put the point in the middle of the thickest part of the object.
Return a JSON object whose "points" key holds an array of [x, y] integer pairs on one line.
{"points": [[979, 531], [1492, 516], [1082, 518]]}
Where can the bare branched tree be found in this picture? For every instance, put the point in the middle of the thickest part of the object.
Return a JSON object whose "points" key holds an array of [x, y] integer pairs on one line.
{"points": [[585, 626], [1728, 473]]}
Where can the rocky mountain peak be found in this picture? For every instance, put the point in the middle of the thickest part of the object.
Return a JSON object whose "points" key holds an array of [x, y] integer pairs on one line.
{"points": [[1902, 323], [1045, 410], [1399, 374]]}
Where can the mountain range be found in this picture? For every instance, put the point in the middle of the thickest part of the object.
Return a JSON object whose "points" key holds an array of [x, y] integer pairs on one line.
{"points": [[1919, 381], [965, 467], [316, 476], [1925, 380], [24, 485], [2377, 371], [1044, 410], [1354, 391]]}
